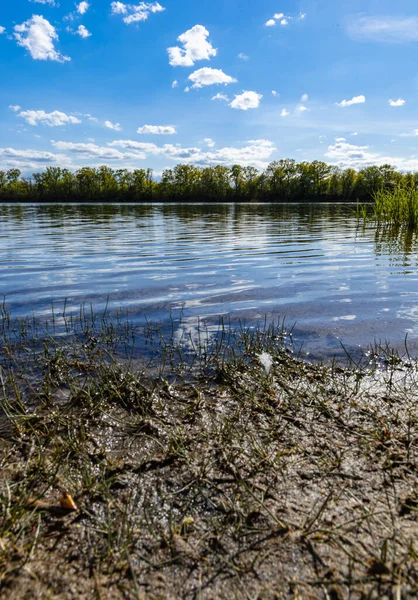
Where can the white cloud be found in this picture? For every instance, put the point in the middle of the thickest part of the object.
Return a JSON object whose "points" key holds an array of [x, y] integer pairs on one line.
{"points": [[118, 8], [340, 139], [209, 142], [157, 130], [255, 152], [354, 133], [355, 100], [50, 2], [347, 155], [52, 119], [413, 134], [243, 56], [88, 151], [135, 13], [304, 98], [38, 36], [283, 19], [83, 7], [114, 126], [14, 107], [2, 29], [208, 76], [29, 159], [195, 47], [83, 32], [246, 100], [399, 102], [387, 29], [220, 97], [175, 84], [302, 108], [284, 113], [275, 94]]}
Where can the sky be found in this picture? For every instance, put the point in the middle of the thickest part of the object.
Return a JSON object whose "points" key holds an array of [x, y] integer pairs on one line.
{"points": [[154, 84]]}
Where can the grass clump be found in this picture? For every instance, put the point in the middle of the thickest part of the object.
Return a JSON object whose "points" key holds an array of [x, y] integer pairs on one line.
{"points": [[397, 206], [229, 469]]}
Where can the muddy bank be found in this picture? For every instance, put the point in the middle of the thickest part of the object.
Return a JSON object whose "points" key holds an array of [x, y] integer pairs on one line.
{"points": [[251, 474]]}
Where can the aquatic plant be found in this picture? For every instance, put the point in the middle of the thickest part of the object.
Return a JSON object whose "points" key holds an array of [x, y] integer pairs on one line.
{"points": [[398, 206]]}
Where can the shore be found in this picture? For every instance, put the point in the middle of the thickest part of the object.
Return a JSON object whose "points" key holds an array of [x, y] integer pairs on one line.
{"points": [[237, 471]]}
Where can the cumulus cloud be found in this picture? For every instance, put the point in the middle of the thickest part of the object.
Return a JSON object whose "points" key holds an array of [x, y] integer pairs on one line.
{"points": [[209, 142], [50, 2], [2, 29], [175, 84], [118, 8], [157, 130], [386, 29], [246, 100], [302, 108], [255, 152], [243, 56], [83, 7], [37, 35], [134, 13], [89, 151], [195, 47], [347, 155], [208, 76], [83, 32], [14, 107], [275, 94], [355, 100], [399, 102], [304, 98], [52, 119], [283, 20], [220, 97], [284, 113], [114, 126]]}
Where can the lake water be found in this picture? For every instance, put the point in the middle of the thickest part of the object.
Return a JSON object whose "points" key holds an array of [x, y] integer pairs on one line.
{"points": [[315, 265]]}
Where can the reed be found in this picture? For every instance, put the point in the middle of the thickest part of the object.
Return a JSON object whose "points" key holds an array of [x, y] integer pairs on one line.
{"points": [[397, 207]]}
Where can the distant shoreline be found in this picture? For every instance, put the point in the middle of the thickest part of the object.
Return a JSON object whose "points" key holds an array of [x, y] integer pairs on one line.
{"points": [[282, 181]]}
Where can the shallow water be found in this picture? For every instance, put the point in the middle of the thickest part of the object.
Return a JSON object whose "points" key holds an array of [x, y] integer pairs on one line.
{"points": [[315, 265]]}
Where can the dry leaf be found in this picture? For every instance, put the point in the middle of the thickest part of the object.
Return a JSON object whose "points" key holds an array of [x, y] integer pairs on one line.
{"points": [[67, 502]]}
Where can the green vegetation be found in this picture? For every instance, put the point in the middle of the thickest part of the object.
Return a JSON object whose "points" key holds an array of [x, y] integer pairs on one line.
{"points": [[398, 206], [283, 181], [202, 469]]}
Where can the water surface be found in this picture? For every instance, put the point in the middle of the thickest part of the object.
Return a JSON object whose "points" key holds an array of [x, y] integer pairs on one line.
{"points": [[315, 265]]}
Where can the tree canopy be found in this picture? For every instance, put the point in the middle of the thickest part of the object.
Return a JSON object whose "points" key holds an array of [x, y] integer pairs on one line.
{"points": [[283, 181]]}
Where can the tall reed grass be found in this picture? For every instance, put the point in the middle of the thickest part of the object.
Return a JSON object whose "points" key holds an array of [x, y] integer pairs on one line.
{"points": [[398, 206]]}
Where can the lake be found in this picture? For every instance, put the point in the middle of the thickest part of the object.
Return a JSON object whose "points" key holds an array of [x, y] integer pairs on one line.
{"points": [[334, 278]]}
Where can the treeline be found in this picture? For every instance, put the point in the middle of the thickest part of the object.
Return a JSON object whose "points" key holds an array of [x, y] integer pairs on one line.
{"points": [[283, 181]]}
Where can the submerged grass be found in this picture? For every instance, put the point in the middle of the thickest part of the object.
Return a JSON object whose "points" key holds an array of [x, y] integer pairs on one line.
{"points": [[202, 468]]}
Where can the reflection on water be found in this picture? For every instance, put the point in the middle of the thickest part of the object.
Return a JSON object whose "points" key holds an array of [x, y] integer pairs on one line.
{"points": [[313, 264]]}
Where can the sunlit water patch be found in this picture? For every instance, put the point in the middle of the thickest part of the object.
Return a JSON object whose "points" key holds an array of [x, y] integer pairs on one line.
{"points": [[341, 282]]}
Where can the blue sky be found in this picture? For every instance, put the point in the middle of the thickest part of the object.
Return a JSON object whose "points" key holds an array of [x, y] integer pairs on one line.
{"points": [[211, 82]]}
